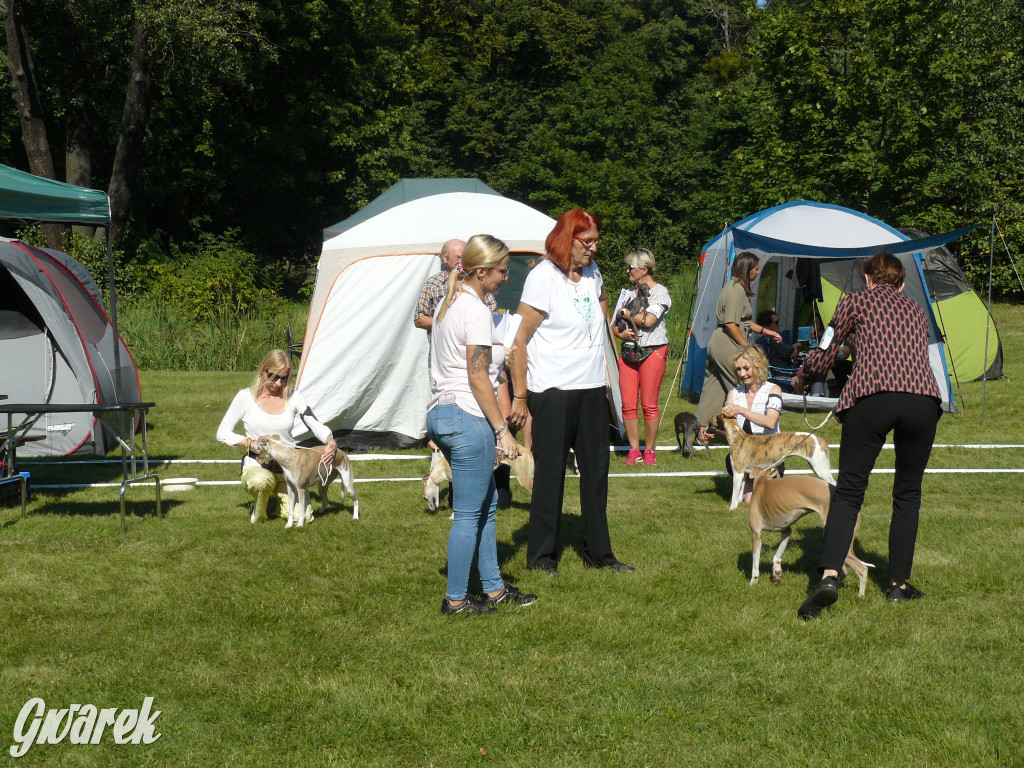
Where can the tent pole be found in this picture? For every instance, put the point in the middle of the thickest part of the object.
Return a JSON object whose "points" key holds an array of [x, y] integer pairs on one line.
{"points": [[686, 346], [988, 320], [113, 319]]}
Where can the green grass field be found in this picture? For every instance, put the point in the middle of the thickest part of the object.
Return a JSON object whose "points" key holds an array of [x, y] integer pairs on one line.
{"points": [[326, 647]]}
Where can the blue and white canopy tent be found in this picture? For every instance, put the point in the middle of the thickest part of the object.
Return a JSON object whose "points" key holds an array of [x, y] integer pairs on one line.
{"points": [[809, 254]]}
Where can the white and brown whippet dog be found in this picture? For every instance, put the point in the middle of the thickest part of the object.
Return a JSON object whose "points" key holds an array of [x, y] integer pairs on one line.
{"points": [[441, 472], [749, 451], [303, 466], [777, 503]]}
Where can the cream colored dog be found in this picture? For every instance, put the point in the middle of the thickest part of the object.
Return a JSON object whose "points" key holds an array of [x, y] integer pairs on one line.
{"points": [[777, 503], [302, 467], [749, 451], [440, 473]]}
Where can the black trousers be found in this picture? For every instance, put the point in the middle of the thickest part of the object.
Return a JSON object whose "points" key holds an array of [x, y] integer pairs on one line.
{"points": [[912, 419], [563, 419]]}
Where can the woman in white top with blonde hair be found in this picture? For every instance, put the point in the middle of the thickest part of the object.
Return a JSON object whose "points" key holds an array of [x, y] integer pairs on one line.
{"points": [[266, 408], [465, 422]]}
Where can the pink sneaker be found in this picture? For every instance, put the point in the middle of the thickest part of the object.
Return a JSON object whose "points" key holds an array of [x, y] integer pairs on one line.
{"points": [[649, 457], [634, 457]]}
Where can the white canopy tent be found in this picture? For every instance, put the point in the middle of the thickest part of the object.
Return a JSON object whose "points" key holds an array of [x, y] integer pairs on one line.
{"points": [[364, 365]]}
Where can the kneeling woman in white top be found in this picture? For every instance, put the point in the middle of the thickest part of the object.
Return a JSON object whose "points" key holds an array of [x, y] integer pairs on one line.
{"points": [[464, 420], [755, 402], [266, 408]]}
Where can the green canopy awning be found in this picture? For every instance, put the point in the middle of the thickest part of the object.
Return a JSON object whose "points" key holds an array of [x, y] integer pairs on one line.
{"points": [[28, 197]]}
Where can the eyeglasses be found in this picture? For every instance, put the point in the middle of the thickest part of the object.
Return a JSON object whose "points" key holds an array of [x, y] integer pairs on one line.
{"points": [[631, 267], [504, 271], [588, 244], [275, 377]]}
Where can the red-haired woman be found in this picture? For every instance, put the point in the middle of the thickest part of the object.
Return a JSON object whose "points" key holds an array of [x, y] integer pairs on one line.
{"points": [[558, 362]]}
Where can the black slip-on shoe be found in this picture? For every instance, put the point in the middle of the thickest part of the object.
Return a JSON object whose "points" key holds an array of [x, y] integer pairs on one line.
{"points": [[551, 570], [822, 595], [907, 592], [470, 605], [509, 594], [622, 567]]}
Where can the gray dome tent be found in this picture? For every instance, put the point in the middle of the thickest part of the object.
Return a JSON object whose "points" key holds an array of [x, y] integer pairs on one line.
{"points": [[58, 346]]}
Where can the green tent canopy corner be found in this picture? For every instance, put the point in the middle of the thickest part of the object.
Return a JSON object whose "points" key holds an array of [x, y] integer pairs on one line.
{"points": [[31, 198]]}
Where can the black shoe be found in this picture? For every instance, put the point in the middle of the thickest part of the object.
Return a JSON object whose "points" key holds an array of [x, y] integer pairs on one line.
{"points": [[550, 570], [509, 594], [614, 565], [822, 595], [907, 592], [469, 605], [504, 498]]}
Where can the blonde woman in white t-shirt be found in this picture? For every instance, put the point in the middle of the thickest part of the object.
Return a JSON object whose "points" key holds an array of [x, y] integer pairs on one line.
{"points": [[266, 408], [465, 422]]}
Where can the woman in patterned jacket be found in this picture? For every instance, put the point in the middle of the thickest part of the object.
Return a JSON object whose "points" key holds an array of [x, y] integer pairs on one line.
{"points": [[891, 389]]}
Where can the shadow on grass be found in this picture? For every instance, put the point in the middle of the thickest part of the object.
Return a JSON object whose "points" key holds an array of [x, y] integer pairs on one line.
{"points": [[139, 508], [809, 541]]}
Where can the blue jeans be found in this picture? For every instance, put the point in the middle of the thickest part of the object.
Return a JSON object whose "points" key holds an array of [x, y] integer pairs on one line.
{"points": [[467, 442]]}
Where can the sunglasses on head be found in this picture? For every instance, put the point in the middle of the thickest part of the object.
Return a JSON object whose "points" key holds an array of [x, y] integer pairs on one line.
{"points": [[276, 377]]}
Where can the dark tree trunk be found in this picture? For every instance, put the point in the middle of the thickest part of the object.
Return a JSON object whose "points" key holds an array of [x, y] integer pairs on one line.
{"points": [[128, 156], [78, 157], [30, 111]]}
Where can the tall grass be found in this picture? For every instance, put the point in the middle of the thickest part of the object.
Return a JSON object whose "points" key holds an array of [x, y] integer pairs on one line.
{"points": [[161, 336]]}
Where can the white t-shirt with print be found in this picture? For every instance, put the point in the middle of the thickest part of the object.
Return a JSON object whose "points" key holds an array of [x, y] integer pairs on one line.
{"points": [[468, 322], [567, 350]]}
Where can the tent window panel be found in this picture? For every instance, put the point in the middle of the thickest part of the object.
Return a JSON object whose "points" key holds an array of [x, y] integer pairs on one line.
{"points": [[767, 286], [86, 314]]}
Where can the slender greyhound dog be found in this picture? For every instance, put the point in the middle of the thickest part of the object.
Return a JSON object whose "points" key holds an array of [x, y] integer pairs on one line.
{"points": [[777, 503], [749, 451], [440, 472], [688, 426], [302, 467]]}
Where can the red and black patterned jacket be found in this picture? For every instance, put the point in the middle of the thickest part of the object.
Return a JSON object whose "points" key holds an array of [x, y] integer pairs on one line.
{"points": [[889, 335]]}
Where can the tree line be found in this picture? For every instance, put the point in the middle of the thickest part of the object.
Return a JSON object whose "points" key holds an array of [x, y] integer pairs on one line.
{"points": [[263, 122]]}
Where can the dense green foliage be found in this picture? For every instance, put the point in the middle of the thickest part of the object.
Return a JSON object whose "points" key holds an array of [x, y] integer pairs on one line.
{"points": [[668, 118]]}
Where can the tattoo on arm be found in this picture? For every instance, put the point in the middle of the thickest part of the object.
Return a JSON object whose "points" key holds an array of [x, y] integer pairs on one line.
{"points": [[481, 360]]}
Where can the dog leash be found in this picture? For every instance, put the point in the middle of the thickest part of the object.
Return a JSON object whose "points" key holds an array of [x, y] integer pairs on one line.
{"points": [[806, 437], [323, 469]]}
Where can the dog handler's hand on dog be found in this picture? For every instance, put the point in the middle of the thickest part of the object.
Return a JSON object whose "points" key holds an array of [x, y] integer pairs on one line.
{"points": [[507, 445], [330, 449]]}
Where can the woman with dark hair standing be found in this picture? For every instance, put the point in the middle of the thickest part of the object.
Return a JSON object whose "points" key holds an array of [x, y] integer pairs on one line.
{"points": [[734, 316], [891, 389], [560, 377]]}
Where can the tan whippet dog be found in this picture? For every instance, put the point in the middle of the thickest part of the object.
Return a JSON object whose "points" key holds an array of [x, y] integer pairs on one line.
{"points": [[302, 467], [440, 472], [749, 451], [777, 503]]}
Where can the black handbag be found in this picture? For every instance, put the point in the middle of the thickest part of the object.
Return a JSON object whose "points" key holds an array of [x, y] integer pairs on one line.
{"points": [[634, 354]]}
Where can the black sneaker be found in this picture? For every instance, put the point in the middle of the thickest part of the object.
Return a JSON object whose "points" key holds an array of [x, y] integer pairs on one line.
{"points": [[822, 595], [469, 605], [509, 594], [907, 592]]}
